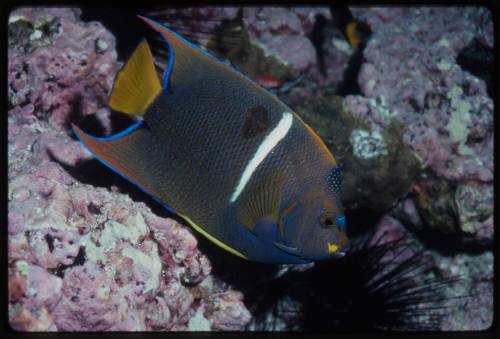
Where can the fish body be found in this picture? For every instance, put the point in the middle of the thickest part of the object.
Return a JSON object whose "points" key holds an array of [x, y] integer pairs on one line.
{"points": [[230, 158]]}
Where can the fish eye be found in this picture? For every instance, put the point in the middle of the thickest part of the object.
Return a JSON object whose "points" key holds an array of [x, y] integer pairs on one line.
{"points": [[327, 219]]}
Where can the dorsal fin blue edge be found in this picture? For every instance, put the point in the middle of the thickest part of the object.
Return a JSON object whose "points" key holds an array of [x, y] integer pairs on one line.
{"points": [[123, 133], [170, 65]]}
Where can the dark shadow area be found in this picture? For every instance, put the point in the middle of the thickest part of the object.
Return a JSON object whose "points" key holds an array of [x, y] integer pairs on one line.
{"points": [[317, 37], [120, 121], [89, 123], [360, 221], [349, 84], [92, 172], [245, 276], [123, 22], [361, 292], [79, 261], [478, 59], [92, 125], [342, 18], [449, 244], [129, 30]]}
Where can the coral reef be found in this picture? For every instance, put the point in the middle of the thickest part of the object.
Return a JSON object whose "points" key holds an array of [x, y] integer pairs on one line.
{"points": [[446, 111], [268, 41], [468, 301], [89, 252], [58, 64], [86, 257]]}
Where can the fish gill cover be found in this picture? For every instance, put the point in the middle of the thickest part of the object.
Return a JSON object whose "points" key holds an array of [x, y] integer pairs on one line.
{"points": [[409, 120]]}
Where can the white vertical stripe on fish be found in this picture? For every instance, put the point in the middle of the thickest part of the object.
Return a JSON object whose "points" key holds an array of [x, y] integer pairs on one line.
{"points": [[270, 141]]}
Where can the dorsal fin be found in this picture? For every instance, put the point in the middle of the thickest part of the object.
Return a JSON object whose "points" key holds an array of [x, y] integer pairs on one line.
{"points": [[137, 84], [189, 64]]}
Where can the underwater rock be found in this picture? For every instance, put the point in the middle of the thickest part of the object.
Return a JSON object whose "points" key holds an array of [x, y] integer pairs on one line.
{"points": [[33, 293], [446, 111], [283, 32], [474, 290], [286, 33], [58, 65], [223, 32], [248, 57], [377, 168], [82, 255], [196, 22], [468, 298], [269, 42], [99, 240]]}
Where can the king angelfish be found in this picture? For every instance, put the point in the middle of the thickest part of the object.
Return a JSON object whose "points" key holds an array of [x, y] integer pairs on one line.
{"points": [[235, 162]]}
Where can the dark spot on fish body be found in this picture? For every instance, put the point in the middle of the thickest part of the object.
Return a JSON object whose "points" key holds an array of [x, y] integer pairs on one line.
{"points": [[256, 122]]}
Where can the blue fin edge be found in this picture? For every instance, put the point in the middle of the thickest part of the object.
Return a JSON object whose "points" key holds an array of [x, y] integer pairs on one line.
{"points": [[114, 137], [166, 77]]}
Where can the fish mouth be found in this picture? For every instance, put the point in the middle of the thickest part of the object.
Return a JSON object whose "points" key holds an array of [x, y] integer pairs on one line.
{"points": [[342, 253], [293, 251], [339, 254], [287, 249]]}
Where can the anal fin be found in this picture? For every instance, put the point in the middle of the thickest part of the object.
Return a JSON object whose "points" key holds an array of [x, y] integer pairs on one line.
{"points": [[123, 153]]}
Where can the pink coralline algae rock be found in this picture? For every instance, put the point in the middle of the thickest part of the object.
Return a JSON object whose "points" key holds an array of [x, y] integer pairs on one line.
{"points": [[58, 64], [286, 34], [228, 311], [476, 310], [283, 32], [410, 75], [468, 301], [198, 22], [84, 257], [33, 294]]}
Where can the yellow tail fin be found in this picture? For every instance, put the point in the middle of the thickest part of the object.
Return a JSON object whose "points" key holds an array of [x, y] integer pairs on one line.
{"points": [[137, 84]]}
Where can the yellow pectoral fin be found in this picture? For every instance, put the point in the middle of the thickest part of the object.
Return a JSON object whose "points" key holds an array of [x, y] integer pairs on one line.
{"points": [[213, 239]]}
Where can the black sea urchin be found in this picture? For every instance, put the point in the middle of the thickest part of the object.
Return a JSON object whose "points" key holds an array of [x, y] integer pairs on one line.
{"points": [[385, 286]]}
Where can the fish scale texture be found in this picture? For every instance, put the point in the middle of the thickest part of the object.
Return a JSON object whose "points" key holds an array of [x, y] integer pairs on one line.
{"points": [[82, 255], [197, 133]]}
